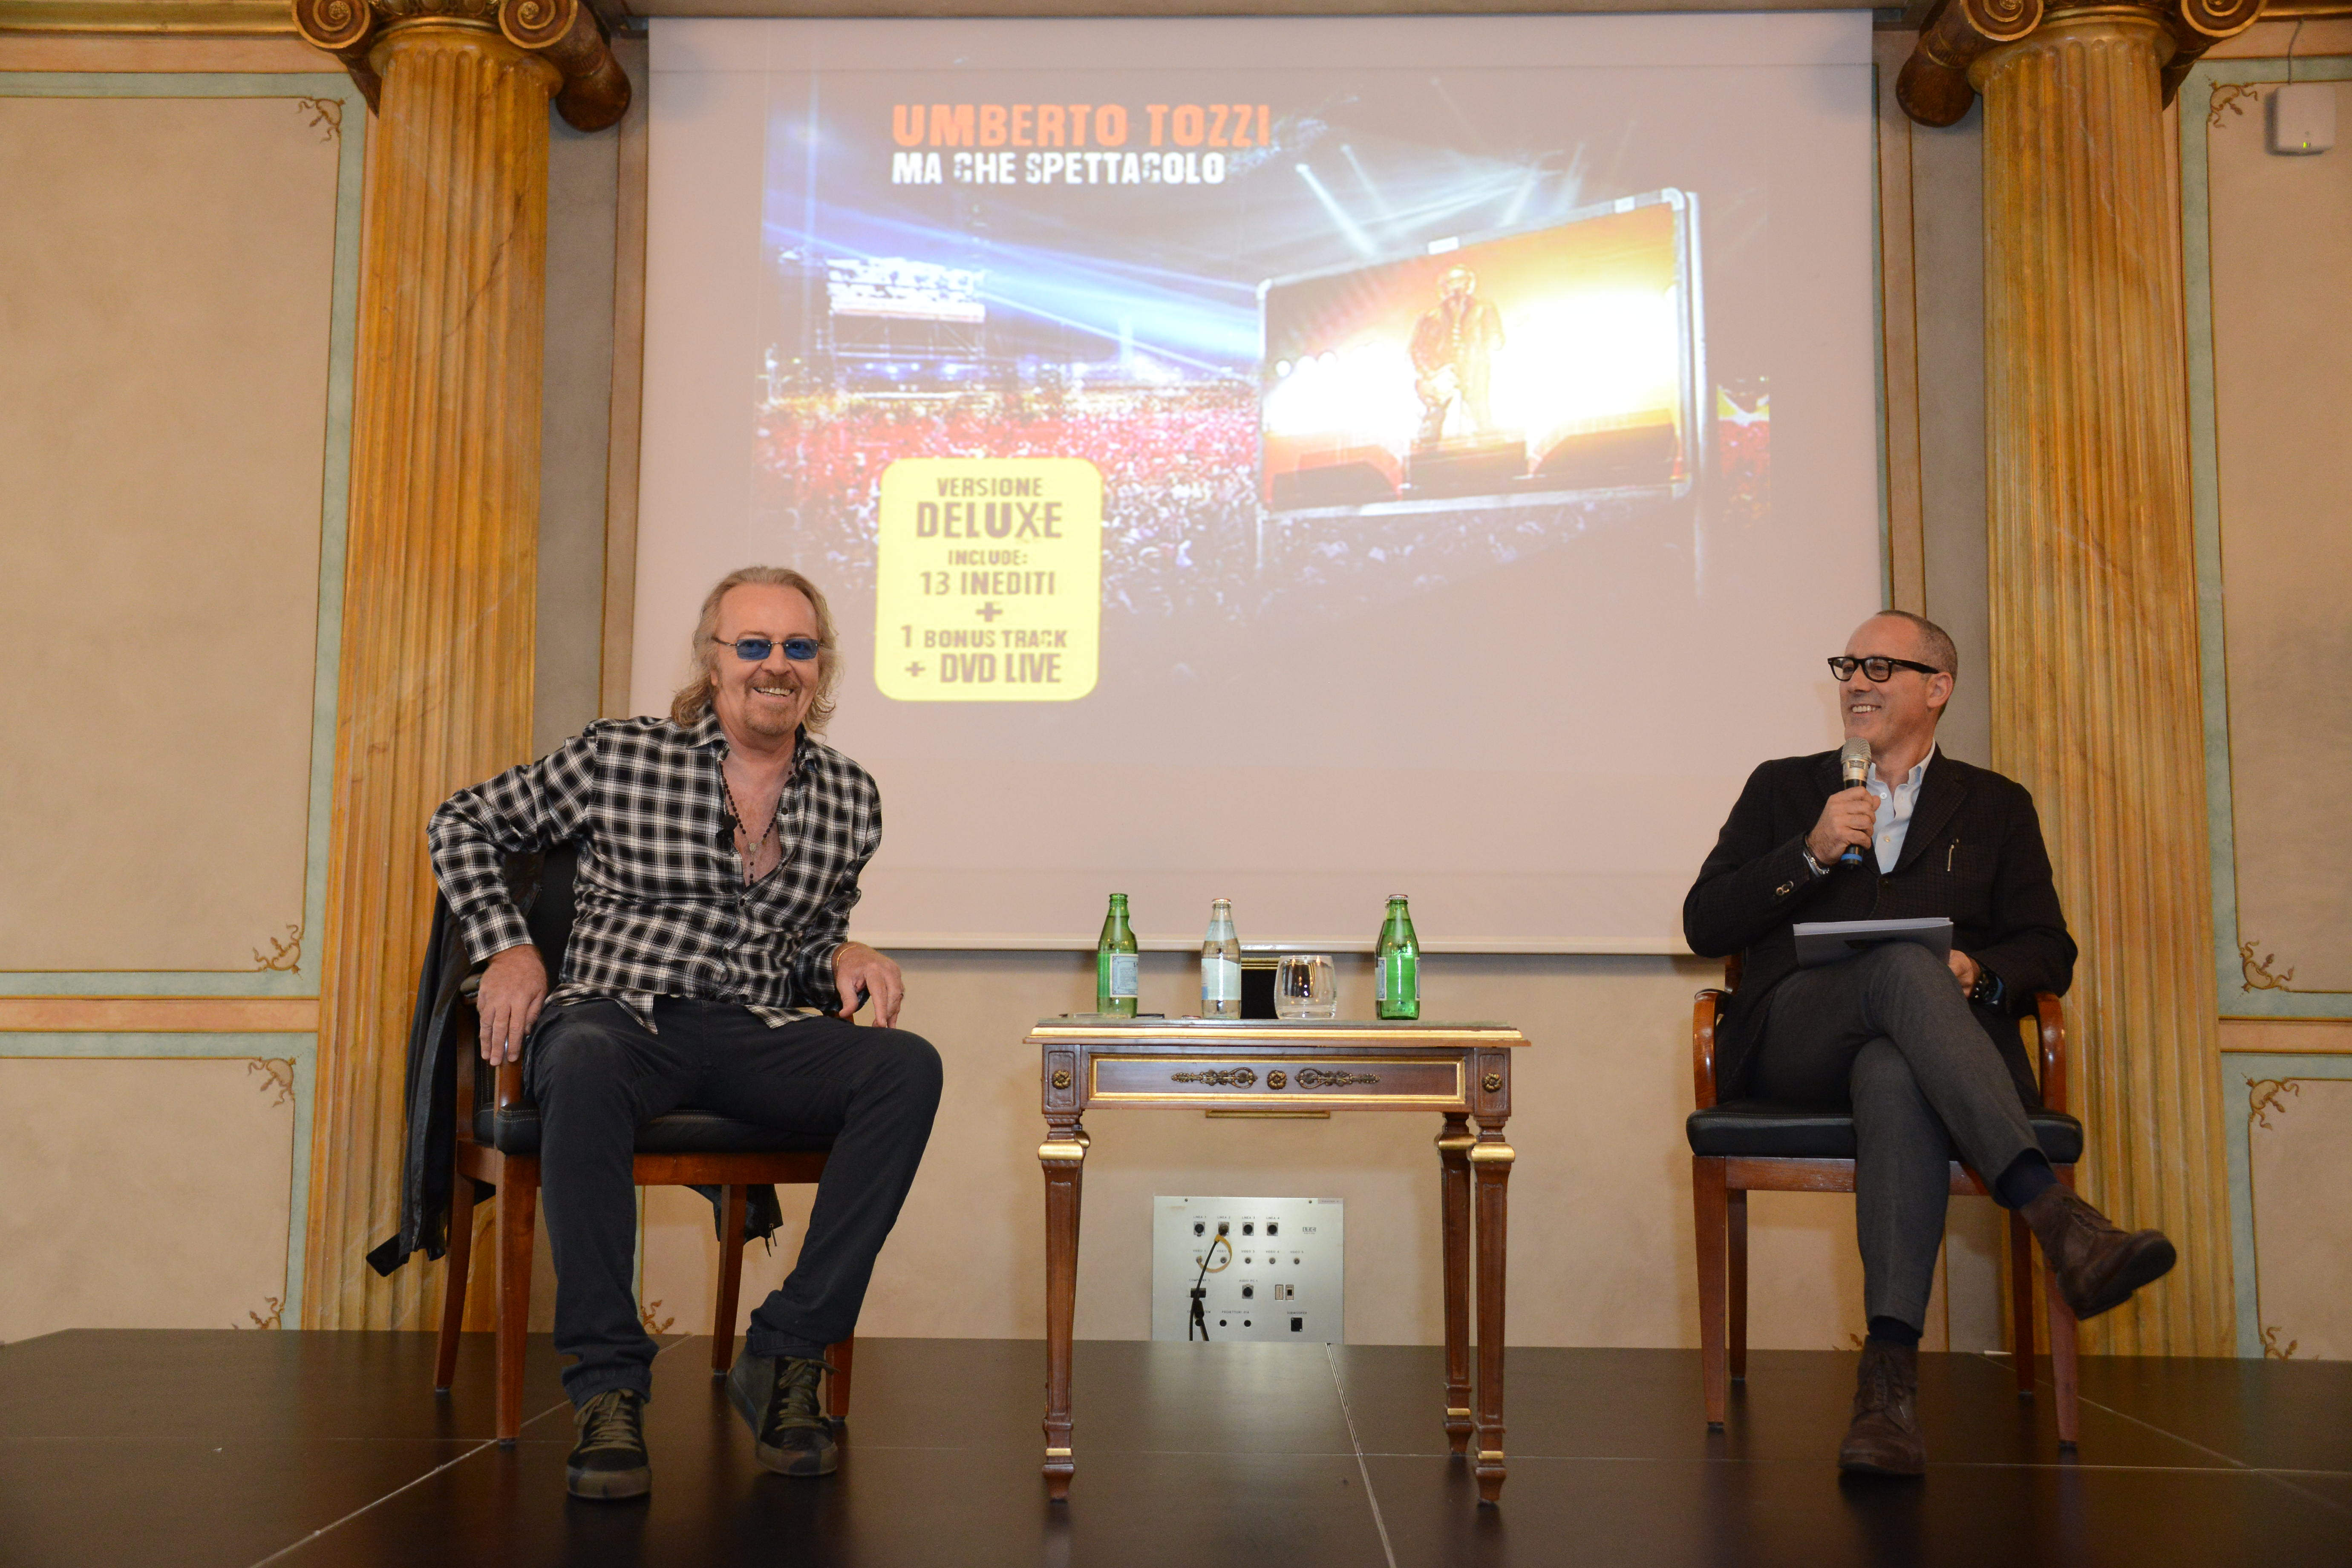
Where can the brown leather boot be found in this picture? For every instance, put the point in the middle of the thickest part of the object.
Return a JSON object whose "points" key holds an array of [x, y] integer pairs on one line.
{"points": [[1885, 1437], [2097, 1265]]}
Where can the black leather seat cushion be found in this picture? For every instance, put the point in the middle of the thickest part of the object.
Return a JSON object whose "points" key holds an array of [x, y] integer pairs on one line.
{"points": [[1760, 1127], [681, 1132]]}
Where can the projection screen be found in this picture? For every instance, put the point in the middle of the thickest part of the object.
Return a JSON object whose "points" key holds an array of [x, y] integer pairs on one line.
{"points": [[1288, 460]]}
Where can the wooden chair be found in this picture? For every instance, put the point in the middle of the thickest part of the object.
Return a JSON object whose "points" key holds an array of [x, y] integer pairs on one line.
{"points": [[1743, 1146], [497, 1148]]}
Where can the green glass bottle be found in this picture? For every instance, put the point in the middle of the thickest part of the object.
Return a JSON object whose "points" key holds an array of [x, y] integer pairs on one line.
{"points": [[1399, 986], [1115, 962]]}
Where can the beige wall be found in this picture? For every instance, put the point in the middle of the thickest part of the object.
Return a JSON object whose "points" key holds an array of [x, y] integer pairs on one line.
{"points": [[583, 204]]}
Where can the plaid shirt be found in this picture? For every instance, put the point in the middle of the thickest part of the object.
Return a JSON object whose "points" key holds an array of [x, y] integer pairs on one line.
{"points": [[662, 906]]}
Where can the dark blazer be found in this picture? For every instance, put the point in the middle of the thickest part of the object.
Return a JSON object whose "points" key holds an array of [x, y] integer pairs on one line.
{"points": [[1973, 852]]}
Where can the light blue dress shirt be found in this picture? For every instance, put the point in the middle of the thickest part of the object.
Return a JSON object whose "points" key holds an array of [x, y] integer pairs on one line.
{"points": [[1894, 823]]}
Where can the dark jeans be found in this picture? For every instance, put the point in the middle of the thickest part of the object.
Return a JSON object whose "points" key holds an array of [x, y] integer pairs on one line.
{"points": [[598, 1074], [1889, 1033]]}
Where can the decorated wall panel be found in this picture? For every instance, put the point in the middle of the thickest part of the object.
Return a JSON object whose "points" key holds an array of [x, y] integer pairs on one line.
{"points": [[178, 287], [151, 1180], [2267, 237], [2290, 1164], [176, 281]]}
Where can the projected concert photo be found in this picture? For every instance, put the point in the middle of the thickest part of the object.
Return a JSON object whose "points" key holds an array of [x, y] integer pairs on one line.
{"points": [[1553, 361]]}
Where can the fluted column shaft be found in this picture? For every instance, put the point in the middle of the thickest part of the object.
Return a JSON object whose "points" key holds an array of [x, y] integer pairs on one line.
{"points": [[435, 689], [2094, 680]]}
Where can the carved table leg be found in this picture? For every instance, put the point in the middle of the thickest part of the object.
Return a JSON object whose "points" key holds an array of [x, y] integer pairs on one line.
{"points": [[1454, 1164], [1063, 1154], [1490, 1166]]}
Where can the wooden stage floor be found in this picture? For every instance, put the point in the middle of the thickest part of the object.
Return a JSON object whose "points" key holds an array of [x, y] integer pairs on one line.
{"points": [[225, 1450]]}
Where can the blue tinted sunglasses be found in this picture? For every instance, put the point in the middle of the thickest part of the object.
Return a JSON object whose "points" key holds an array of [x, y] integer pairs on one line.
{"points": [[752, 651]]}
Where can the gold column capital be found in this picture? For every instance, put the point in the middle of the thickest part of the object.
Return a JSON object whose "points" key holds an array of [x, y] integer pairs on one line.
{"points": [[1934, 86], [567, 34], [1964, 38]]}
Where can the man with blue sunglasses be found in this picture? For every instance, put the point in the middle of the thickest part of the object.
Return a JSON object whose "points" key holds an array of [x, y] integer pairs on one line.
{"points": [[708, 966]]}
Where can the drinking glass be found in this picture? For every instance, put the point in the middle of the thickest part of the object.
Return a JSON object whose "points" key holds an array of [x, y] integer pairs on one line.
{"points": [[1306, 985]]}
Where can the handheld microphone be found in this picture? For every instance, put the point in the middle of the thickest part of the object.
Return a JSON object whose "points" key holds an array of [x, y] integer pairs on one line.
{"points": [[1853, 766]]}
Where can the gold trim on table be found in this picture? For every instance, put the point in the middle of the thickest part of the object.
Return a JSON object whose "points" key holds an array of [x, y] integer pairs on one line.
{"points": [[1401, 1081], [1227, 1035]]}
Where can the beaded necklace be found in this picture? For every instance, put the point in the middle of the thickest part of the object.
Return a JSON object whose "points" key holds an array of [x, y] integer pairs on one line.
{"points": [[751, 855]]}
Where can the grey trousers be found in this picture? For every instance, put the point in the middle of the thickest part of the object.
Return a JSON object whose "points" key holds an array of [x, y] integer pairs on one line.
{"points": [[1890, 1034]]}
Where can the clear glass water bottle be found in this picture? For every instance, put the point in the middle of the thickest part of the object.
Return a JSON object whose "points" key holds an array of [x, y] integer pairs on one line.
{"points": [[1221, 964], [1115, 962], [1398, 986]]}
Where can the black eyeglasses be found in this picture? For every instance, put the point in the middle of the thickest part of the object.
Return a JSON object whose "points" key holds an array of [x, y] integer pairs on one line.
{"points": [[752, 651], [1844, 667]]}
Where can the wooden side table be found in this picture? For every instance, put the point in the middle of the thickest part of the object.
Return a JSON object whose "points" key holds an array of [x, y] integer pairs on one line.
{"points": [[1462, 1072]]}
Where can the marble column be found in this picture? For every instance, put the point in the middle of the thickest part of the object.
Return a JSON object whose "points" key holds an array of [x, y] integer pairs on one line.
{"points": [[439, 596], [2094, 677]]}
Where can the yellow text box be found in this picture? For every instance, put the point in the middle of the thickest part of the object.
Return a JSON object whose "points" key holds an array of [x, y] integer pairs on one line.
{"points": [[988, 580]]}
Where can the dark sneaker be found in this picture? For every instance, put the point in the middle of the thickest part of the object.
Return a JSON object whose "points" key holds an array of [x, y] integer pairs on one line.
{"points": [[610, 1460], [776, 1397], [2098, 1266], [1885, 1437]]}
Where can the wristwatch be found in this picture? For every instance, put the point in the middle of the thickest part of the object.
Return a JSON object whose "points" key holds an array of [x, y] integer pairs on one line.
{"points": [[1989, 991], [1815, 866]]}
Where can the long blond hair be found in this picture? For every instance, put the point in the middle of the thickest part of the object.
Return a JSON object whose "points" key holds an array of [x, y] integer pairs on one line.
{"points": [[693, 699]]}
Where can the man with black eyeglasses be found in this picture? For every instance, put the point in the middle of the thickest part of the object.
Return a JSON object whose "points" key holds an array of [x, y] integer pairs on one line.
{"points": [[708, 966], [1924, 1051]]}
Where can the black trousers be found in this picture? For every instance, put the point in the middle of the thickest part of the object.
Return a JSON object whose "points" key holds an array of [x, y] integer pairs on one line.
{"points": [[1889, 1033], [596, 1074]]}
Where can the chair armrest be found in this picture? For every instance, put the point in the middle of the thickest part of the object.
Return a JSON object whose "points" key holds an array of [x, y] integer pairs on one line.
{"points": [[2050, 1014], [1705, 1009]]}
